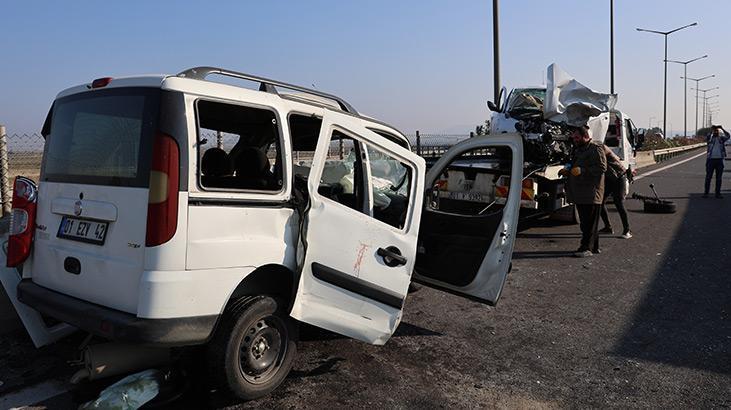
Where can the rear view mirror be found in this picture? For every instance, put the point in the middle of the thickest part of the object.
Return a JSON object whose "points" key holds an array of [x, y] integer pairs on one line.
{"points": [[491, 105]]}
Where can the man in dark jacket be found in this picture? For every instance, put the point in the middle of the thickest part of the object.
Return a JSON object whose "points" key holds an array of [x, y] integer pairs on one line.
{"points": [[585, 187], [714, 162]]}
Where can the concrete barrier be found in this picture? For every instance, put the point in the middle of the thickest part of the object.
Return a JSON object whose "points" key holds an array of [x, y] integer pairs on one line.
{"points": [[644, 159], [647, 158], [667, 153]]}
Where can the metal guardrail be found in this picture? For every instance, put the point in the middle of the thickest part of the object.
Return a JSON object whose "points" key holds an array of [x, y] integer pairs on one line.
{"points": [[667, 153]]}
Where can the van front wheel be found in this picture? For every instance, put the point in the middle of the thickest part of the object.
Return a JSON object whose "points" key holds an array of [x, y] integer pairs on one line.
{"points": [[253, 348]]}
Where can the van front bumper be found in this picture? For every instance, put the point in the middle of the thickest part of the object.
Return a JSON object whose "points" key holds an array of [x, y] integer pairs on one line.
{"points": [[114, 324]]}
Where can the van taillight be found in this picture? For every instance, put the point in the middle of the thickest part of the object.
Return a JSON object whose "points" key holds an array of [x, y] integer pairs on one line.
{"points": [[162, 206], [22, 221]]}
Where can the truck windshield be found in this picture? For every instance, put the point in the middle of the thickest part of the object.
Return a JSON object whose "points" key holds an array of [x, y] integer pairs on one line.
{"points": [[102, 137], [526, 100]]}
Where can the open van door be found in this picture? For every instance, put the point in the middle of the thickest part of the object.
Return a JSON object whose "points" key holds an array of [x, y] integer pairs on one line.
{"points": [[359, 233], [470, 216]]}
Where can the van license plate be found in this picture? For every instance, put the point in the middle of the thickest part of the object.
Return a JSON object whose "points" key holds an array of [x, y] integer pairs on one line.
{"points": [[83, 230]]}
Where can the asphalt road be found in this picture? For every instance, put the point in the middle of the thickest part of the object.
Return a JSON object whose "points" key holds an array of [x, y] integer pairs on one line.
{"points": [[645, 324]]}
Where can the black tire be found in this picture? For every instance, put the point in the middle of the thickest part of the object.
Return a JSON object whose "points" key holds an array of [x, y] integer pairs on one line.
{"points": [[257, 326], [664, 207]]}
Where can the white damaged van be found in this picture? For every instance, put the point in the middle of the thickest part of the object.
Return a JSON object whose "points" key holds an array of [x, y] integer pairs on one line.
{"points": [[178, 211]]}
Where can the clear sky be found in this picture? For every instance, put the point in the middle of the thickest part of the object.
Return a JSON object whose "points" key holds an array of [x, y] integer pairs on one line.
{"points": [[423, 64]]}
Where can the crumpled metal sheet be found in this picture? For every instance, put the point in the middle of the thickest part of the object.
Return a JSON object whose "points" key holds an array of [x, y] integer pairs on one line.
{"points": [[130, 393], [569, 101]]}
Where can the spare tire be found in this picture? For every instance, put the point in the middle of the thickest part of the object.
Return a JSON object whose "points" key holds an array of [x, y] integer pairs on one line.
{"points": [[660, 207]]}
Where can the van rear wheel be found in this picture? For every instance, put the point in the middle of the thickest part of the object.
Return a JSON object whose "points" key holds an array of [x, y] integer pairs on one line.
{"points": [[253, 348]]}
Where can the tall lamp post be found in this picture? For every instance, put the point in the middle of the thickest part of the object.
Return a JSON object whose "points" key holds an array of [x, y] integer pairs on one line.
{"points": [[704, 102], [697, 80], [685, 90], [611, 46], [705, 108], [710, 115], [496, 50], [665, 84]]}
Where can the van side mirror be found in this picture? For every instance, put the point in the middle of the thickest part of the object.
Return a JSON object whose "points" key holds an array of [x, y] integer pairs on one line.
{"points": [[491, 105]]}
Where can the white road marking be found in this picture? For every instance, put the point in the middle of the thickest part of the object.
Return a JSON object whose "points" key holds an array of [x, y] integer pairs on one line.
{"points": [[33, 394], [655, 171]]}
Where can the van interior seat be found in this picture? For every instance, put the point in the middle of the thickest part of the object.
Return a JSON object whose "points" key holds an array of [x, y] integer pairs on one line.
{"points": [[215, 167], [252, 169]]}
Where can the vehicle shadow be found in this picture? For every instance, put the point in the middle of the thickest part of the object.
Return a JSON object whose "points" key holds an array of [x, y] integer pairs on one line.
{"points": [[555, 235], [684, 318], [315, 334], [543, 255]]}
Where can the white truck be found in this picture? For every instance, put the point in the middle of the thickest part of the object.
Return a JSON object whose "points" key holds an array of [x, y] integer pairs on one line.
{"points": [[547, 147], [144, 229]]}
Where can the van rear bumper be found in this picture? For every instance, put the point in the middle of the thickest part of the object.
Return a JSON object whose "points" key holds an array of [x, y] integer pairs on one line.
{"points": [[114, 324]]}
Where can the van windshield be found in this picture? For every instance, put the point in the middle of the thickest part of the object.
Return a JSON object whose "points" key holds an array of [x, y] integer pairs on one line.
{"points": [[102, 137]]}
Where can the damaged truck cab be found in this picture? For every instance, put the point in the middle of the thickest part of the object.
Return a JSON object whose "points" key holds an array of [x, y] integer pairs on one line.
{"points": [[547, 146], [178, 211]]}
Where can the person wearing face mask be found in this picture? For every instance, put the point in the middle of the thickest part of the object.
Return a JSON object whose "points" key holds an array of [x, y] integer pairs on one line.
{"points": [[585, 187], [714, 162]]}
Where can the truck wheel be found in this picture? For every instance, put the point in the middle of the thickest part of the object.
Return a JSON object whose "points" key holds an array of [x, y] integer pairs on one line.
{"points": [[253, 348], [567, 214]]}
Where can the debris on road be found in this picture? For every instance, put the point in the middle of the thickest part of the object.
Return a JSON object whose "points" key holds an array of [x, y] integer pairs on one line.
{"points": [[130, 393], [655, 205]]}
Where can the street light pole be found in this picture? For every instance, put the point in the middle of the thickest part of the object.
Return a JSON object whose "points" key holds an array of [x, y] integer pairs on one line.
{"points": [[697, 81], [704, 102], [496, 50], [611, 46], [705, 105], [685, 89], [665, 84]]}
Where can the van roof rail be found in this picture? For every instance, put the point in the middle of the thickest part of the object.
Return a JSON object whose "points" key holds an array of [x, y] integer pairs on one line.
{"points": [[265, 84]]}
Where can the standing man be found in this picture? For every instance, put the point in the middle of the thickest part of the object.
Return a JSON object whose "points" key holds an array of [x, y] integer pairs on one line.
{"points": [[585, 187], [716, 151]]}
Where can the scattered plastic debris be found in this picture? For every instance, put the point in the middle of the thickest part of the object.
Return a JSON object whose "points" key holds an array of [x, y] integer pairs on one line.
{"points": [[130, 393]]}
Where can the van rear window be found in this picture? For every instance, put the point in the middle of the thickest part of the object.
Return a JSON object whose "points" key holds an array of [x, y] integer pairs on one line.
{"points": [[102, 137]]}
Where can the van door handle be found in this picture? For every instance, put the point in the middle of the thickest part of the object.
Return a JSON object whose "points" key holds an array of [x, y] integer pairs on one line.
{"points": [[391, 256]]}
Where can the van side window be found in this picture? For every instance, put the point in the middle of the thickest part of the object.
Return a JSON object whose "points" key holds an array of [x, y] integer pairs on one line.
{"points": [[239, 147], [342, 176], [304, 131], [391, 182]]}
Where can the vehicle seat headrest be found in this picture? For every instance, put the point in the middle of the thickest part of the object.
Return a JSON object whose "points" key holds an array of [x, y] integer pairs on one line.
{"points": [[251, 162], [215, 163]]}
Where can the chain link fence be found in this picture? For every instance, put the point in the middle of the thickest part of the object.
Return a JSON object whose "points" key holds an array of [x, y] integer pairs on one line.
{"points": [[25, 150]]}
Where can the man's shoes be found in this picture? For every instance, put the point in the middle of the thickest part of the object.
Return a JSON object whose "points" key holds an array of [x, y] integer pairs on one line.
{"points": [[596, 251], [626, 234], [704, 196], [583, 254], [719, 196], [607, 230]]}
